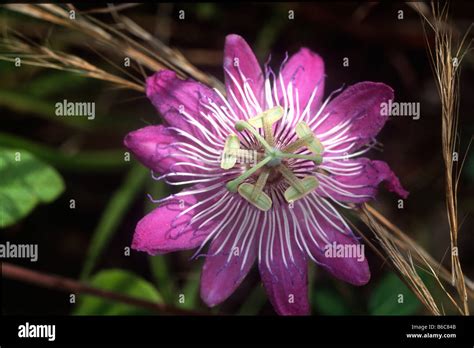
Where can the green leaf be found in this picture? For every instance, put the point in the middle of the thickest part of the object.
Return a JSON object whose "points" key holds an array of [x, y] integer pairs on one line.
{"points": [[99, 161], [392, 297], [25, 182], [113, 214], [55, 83], [122, 282], [159, 266], [271, 29], [6, 67], [23, 103], [205, 11], [191, 292], [329, 302]]}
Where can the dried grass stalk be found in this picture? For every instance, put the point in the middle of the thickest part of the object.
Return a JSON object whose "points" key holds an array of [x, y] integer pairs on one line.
{"points": [[401, 261], [446, 57], [407, 244], [406, 256], [125, 38], [37, 55]]}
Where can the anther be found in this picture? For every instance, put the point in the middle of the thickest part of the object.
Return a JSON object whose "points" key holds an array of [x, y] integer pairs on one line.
{"points": [[254, 193], [298, 188], [230, 153], [266, 120], [308, 139]]}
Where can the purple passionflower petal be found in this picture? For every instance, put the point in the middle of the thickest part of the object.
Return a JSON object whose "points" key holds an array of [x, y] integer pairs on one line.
{"points": [[362, 183], [330, 232], [280, 210], [286, 279], [151, 146], [166, 229], [222, 273], [242, 73], [302, 64], [358, 106]]}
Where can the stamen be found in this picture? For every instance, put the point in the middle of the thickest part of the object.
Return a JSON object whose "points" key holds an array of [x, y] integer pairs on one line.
{"points": [[265, 120], [297, 144], [232, 185], [243, 125], [229, 155], [312, 143], [254, 193], [298, 188]]}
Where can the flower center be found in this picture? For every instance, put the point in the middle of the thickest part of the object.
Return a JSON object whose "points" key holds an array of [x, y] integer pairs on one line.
{"points": [[270, 163]]}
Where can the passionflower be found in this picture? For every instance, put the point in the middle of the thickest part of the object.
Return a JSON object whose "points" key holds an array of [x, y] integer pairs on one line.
{"points": [[266, 169]]}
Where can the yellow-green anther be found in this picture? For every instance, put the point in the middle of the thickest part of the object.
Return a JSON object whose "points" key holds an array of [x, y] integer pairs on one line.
{"points": [[243, 125], [268, 132], [309, 184], [261, 200], [297, 144], [231, 151], [271, 116], [254, 193], [312, 143], [265, 120], [233, 185]]}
